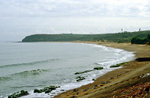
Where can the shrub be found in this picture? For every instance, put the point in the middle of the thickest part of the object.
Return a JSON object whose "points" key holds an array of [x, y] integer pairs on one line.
{"points": [[148, 38], [137, 40]]}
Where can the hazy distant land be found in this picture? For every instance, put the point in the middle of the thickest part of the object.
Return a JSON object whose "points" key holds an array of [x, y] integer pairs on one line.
{"points": [[116, 37]]}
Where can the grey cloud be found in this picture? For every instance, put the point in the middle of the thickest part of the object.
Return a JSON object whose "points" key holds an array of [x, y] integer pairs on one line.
{"points": [[60, 8], [19, 18]]}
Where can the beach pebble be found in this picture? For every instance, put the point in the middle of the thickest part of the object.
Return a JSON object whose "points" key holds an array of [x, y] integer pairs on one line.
{"points": [[75, 90]]}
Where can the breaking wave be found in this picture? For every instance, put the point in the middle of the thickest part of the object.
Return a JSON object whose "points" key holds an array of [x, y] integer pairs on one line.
{"points": [[30, 63]]}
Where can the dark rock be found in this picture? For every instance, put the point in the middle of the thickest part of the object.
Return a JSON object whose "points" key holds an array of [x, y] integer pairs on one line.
{"points": [[118, 65], [93, 79], [24, 92], [46, 89], [73, 97], [18, 94], [62, 90], [79, 78], [85, 90], [147, 89], [37, 91], [98, 68], [75, 90], [143, 59], [83, 72], [95, 86]]}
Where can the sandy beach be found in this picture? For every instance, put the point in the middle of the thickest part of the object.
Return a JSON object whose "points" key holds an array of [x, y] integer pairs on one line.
{"points": [[132, 80]]}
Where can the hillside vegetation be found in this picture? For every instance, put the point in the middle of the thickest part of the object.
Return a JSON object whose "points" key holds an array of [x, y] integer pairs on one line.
{"points": [[115, 37], [141, 39]]}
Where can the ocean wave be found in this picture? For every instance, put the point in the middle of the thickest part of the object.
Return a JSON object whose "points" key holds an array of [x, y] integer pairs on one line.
{"points": [[27, 86], [30, 72], [126, 56], [123, 56], [4, 78], [23, 74], [30, 63]]}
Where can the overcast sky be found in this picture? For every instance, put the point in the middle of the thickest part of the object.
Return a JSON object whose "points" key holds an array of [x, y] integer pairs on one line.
{"points": [[19, 18]]}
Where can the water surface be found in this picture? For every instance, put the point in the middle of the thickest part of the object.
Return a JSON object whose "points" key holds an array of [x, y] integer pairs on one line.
{"points": [[36, 65]]}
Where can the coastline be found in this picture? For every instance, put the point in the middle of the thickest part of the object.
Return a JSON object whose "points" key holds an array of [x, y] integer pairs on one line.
{"points": [[117, 52], [126, 76]]}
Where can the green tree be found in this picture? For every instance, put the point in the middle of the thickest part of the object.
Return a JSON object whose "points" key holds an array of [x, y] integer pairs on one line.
{"points": [[138, 40], [148, 38]]}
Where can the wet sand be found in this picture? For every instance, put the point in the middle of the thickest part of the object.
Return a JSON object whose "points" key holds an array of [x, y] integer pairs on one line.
{"points": [[120, 82]]}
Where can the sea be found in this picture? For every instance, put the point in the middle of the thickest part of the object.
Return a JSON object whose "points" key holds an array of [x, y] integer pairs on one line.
{"points": [[29, 66]]}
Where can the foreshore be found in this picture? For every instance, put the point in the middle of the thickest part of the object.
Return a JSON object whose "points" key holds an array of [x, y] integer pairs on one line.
{"points": [[121, 82]]}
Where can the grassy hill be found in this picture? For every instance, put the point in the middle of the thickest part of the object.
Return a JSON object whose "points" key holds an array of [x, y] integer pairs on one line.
{"points": [[115, 37]]}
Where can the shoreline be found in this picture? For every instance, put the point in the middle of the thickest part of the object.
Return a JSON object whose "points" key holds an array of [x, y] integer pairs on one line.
{"points": [[121, 60], [116, 79]]}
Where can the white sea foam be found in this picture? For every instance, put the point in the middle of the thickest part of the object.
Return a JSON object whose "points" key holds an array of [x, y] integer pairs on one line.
{"points": [[125, 57]]}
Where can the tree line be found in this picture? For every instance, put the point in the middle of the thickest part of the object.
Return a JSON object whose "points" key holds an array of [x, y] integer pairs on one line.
{"points": [[138, 37], [141, 40]]}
